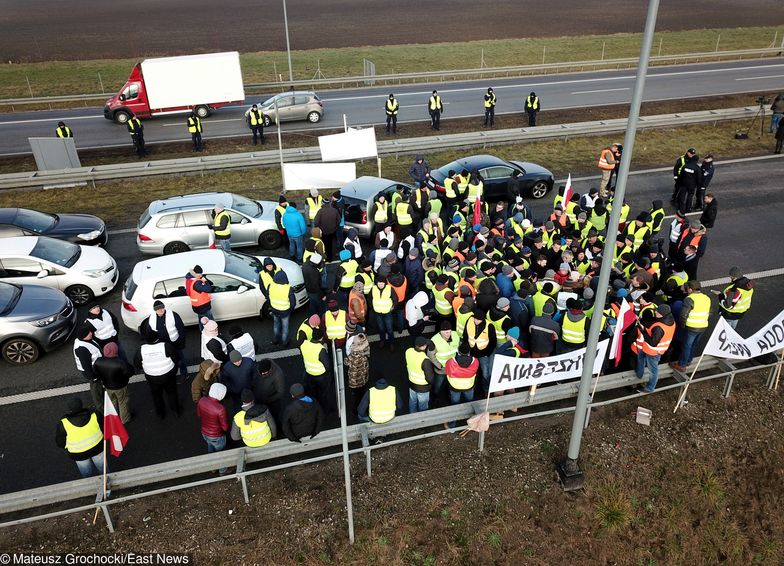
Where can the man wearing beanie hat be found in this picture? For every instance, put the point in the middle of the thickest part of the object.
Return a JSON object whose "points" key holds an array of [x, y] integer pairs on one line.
{"points": [[86, 351], [238, 375], [214, 420], [158, 360], [80, 433], [318, 370], [574, 326], [480, 336], [333, 323], [314, 203], [269, 386], [694, 315], [114, 373], [499, 316], [302, 417], [328, 220], [345, 277], [280, 210], [654, 336], [253, 424], [383, 302], [735, 299], [213, 348], [170, 328], [420, 375]]}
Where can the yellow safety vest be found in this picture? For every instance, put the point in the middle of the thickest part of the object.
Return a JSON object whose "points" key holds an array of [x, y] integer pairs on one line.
{"points": [[443, 307], [573, 332], [383, 403], [382, 212], [367, 279], [216, 222], [392, 107], [445, 351], [133, 124], [194, 125], [639, 234], [403, 215], [539, 299], [310, 356], [461, 383], [414, 359], [449, 188], [461, 319], [743, 304], [279, 296], [314, 204], [462, 183], [480, 341], [253, 433], [336, 325], [80, 439], [699, 314], [306, 329], [435, 102], [382, 299], [532, 104], [599, 221], [349, 273], [475, 190], [64, 132], [500, 333], [656, 220], [256, 118], [266, 278], [490, 100]]}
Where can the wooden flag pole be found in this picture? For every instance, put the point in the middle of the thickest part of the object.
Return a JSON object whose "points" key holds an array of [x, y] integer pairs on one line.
{"points": [[688, 382]]}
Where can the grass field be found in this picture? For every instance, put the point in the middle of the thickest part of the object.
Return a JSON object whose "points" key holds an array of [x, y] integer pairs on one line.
{"points": [[83, 77]]}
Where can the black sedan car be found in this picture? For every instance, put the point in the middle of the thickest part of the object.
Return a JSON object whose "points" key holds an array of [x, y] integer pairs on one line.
{"points": [[82, 229], [535, 181]]}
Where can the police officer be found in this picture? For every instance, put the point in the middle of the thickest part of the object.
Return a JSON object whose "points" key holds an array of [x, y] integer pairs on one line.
{"points": [[435, 107], [490, 101], [256, 123], [63, 131], [136, 129], [80, 433], [532, 108], [689, 179], [391, 108], [195, 129], [676, 171]]}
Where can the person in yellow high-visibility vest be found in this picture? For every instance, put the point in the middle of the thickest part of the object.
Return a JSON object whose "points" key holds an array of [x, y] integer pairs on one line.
{"points": [[80, 433], [63, 131], [315, 201], [253, 423], [221, 227], [318, 376], [532, 108], [490, 101], [420, 375], [380, 403], [281, 302], [195, 130], [435, 107], [334, 323], [391, 108], [735, 299], [255, 119], [694, 316]]}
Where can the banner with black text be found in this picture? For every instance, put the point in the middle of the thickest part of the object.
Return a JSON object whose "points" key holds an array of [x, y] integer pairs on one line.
{"points": [[725, 342]]}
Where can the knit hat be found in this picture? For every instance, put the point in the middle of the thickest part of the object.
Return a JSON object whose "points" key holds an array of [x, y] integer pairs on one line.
{"points": [[110, 350], [572, 303], [74, 404], [264, 365], [445, 325], [420, 341], [735, 272], [513, 332], [314, 192], [332, 304], [664, 310], [582, 216], [217, 391], [695, 225], [564, 266], [297, 390], [210, 327], [158, 305], [502, 303], [247, 396], [281, 199], [622, 293], [507, 269], [197, 269], [588, 294], [413, 253], [235, 356], [484, 230], [351, 327], [548, 308], [344, 255], [314, 320]]}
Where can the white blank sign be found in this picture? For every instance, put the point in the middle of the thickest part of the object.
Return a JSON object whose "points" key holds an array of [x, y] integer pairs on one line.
{"points": [[354, 144], [306, 176]]}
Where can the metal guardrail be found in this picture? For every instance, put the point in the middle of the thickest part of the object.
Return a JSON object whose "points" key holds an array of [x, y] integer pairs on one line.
{"points": [[31, 179], [363, 433], [450, 75]]}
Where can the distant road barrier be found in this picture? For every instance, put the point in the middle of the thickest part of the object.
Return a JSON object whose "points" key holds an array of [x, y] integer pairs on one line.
{"points": [[445, 76], [484, 138]]}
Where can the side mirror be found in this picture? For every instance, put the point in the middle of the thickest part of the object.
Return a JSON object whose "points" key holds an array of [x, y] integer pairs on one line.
{"points": [[43, 273], [242, 289], [122, 98]]}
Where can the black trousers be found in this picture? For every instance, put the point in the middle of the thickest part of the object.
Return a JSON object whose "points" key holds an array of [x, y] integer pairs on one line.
{"points": [[779, 144], [258, 131], [138, 143], [196, 138], [435, 119], [490, 115], [531, 117], [322, 388], [160, 384], [686, 198], [329, 245], [392, 120]]}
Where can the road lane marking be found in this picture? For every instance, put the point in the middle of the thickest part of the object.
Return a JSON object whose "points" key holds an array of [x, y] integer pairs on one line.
{"points": [[212, 121], [33, 120], [760, 78], [602, 90]]}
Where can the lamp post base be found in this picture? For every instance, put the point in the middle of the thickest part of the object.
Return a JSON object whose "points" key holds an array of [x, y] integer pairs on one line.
{"points": [[570, 475]]}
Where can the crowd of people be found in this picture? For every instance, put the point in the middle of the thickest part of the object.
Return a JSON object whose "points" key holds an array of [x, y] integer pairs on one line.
{"points": [[492, 278]]}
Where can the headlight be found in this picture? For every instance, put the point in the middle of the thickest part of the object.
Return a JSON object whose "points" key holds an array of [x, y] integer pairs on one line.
{"points": [[44, 321], [90, 235], [95, 273]]}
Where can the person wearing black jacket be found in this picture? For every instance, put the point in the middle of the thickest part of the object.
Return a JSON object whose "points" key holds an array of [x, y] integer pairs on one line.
{"points": [[80, 433], [169, 327], [86, 351], [238, 375], [158, 360], [114, 372], [688, 181], [710, 211], [313, 284], [707, 175], [269, 386], [303, 416]]}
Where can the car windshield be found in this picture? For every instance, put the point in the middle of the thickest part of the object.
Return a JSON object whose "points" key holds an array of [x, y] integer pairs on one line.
{"points": [[56, 251], [241, 265], [246, 206], [270, 101], [455, 166], [34, 220], [9, 296]]}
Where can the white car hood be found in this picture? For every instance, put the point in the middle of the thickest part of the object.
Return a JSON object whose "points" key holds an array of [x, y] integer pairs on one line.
{"points": [[92, 257]]}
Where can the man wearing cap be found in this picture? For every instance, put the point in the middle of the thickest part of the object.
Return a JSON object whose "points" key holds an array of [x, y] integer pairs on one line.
{"points": [[158, 360], [114, 374], [383, 303], [420, 375], [735, 299], [255, 120], [169, 327], [654, 336], [63, 131], [214, 420], [198, 289], [86, 351], [80, 433], [237, 375], [688, 179], [302, 417], [694, 316], [380, 403], [253, 423], [334, 323], [221, 227]]}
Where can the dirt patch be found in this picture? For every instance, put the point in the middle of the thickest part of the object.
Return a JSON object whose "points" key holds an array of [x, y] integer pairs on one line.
{"points": [[188, 26], [699, 487]]}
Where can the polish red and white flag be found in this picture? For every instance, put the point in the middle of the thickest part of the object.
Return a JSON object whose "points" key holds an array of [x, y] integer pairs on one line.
{"points": [[113, 428], [626, 318]]}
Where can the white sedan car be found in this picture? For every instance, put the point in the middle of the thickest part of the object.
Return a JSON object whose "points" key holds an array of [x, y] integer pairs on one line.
{"points": [[81, 272], [234, 277]]}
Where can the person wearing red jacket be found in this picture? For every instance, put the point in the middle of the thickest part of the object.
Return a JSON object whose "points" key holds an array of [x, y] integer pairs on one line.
{"points": [[461, 377], [214, 420]]}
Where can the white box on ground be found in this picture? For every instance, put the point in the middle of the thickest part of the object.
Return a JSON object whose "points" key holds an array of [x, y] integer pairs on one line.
{"points": [[353, 144], [644, 416], [306, 176]]}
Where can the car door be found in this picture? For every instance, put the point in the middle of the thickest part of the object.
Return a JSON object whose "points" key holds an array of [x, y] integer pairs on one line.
{"points": [[301, 108], [286, 108], [243, 233], [25, 271], [172, 293], [495, 181], [229, 301], [192, 228]]}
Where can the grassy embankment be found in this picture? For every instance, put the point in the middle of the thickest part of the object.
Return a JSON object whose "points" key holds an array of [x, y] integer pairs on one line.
{"points": [[72, 77]]}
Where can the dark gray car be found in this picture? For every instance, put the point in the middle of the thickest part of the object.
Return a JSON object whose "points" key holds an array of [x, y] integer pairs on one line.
{"points": [[33, 319]]}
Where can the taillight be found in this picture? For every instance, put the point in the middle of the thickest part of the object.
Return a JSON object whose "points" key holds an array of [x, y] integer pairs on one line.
{"points": [[439, 188], [128, 306], [364, 217], [143, 238]]}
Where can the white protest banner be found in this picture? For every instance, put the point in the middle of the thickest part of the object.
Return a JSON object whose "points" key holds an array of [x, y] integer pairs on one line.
{"points": [[725, 343], [511, 373], [354, 144], [306, 176]]}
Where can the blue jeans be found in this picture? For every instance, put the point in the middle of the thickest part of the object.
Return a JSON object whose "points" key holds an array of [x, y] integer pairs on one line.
{"points": [[652, 362], [215, 444], [280, 328], [208, 314], [457, 397], [384, 322], [296, 247], [774, 122], [418, 401], [438, 383], [224, 244], [486, 365], [690, 338], [91, 466], [399, 319]]}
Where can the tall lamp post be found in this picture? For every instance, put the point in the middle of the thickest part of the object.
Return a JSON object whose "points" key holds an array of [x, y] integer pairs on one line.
{"points": [[288, 44], [569, 471]]}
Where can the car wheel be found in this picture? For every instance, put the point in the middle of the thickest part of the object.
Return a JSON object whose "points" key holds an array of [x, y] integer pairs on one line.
{"points": [[202, 111], [314, 117], [20, 351], [175, 248], [79, 294], [122, 117], [539, 189], [267, 121], [270, 240]]}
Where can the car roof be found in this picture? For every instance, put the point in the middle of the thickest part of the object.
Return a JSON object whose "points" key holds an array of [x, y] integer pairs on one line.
{"points": [[481, 161], [366, 187], [19, 245], [8, 214], [170, 266], [196, 200]]}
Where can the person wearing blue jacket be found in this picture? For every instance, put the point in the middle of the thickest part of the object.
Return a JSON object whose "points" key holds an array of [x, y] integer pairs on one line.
{"points": [[294, 224], [505, 282]]}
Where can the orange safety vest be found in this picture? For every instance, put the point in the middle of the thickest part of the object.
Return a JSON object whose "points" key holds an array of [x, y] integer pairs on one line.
{"points": [[661, 348], [465, 283], [400, 291], [695, 241], [604, 163], [198, 298], [353, 295]]}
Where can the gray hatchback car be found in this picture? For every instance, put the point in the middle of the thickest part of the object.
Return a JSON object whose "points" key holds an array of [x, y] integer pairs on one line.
{"points": [[33, 319], [298, 105]]}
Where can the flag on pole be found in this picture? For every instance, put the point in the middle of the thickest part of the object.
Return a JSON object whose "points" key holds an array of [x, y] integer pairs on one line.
{"points": [[211, 240], [113, 428], [626, 318], [567, 194], [477, 211]]}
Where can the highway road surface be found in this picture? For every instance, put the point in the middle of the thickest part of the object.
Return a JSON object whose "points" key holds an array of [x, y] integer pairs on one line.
{"points": [[32, 399], [462, 99]]}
